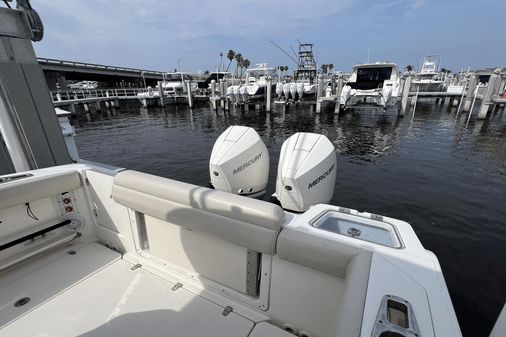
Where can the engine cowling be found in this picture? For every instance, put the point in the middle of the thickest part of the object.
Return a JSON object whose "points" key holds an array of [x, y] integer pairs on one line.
{"points": [[306, 172], [239, 162]]}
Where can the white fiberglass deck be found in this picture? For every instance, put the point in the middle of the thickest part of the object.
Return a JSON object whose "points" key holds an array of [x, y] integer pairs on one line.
{"points": [[96, 293]]}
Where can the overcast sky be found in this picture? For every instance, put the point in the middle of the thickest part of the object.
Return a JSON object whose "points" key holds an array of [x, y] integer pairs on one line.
{"points": [[156, 35]]}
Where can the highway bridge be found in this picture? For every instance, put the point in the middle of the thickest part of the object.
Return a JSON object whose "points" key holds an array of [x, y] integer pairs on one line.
{"points": [[58, 72]]}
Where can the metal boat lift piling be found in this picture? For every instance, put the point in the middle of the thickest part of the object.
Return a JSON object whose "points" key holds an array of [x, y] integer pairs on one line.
{"points": [[463, 99]]}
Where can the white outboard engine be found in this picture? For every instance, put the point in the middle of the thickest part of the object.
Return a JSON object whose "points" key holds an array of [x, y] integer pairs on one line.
{"points": [[306, 172], [239, 162]]}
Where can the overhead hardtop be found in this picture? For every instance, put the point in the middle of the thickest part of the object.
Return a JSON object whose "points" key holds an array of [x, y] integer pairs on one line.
{"points": [[371, 76]]}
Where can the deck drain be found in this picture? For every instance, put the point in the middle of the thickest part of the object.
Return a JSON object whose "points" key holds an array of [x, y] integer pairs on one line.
{"points": [[22, 301], [71, 252]]}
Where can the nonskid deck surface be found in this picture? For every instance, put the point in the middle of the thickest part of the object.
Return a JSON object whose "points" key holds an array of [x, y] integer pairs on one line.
{"points": [[96, 293]]}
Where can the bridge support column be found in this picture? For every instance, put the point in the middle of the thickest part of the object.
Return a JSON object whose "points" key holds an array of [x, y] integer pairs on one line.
{"points": [[62, 82], [51, 81]]}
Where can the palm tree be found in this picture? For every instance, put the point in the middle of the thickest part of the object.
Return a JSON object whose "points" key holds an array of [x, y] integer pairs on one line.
{"points": [[238, 60], [409, 67], [324, 68], [230, 56], [331, 66], [285, 69], [245, 63]]}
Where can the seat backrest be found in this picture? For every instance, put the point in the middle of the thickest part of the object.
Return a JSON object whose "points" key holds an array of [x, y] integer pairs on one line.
{"points": [[243, 221], [347, 263]]}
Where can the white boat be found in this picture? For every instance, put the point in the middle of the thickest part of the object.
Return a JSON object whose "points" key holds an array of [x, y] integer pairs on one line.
{"points": [[84, 85], [374, 84], [429, 79], [87, 249], [173, 83], [255, 83]]}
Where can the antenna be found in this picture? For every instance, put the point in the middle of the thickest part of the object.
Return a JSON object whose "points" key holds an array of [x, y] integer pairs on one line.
{"points": [[368, 54], [294, 52], [284, 52]]}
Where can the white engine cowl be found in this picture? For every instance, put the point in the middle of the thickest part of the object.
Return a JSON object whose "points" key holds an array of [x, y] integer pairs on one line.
{"points": [[306, 172], [239, 162]]}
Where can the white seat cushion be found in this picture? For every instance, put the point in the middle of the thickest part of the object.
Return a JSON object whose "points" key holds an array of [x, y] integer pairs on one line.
{"points": [[246, 222]]}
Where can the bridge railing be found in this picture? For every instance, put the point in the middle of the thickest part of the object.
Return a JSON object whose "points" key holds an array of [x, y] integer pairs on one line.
{"points": [[77, 94], [96, 66]]}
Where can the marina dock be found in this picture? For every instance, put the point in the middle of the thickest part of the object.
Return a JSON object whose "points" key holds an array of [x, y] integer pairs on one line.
{"points": [[464, 92]]}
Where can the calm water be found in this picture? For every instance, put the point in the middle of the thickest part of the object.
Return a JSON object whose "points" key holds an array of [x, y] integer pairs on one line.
{"points": [[445, 178]]}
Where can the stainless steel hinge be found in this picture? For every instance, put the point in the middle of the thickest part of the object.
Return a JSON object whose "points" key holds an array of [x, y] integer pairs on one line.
{"points": [[228, 309], [137, 266], [176, 286]]}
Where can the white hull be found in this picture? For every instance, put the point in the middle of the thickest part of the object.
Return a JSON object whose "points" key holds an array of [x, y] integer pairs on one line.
{"points": [[362, 91], [177, 256]]}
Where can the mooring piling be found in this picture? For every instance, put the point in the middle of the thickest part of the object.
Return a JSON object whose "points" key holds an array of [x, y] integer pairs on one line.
{"points": [[319, 95], [213, 95], [160, 93], [268, 95], [473, 81], [189, 93], [405, 94], [492, 87]]}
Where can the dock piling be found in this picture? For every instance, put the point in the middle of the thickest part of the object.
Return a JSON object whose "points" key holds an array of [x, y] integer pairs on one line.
{"points": [[473, 81], [319, 95], [222, 93], [405, 94], [213, 95], [492, 87], [189, 91], [268, 95], [160, 93]]}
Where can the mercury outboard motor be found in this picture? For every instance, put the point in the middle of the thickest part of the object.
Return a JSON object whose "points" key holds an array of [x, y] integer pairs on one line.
{"points": [[240, 162], [306, 172]]}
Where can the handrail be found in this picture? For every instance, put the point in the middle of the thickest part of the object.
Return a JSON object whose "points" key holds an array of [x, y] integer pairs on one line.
{"points": [[67, 95]]}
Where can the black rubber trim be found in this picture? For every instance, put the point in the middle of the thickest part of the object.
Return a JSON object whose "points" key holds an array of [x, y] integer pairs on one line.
{"points": [[31, 236]]}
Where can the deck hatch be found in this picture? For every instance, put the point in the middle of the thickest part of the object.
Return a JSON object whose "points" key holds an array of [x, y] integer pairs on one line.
{"points": [[372, 230]]}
